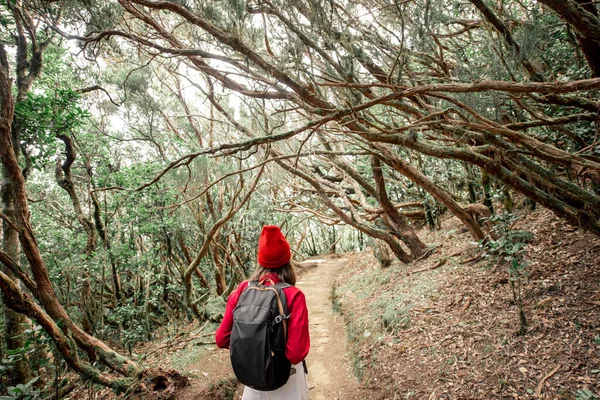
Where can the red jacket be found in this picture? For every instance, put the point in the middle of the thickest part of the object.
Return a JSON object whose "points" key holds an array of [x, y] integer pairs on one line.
{"points": [[298, 342]]}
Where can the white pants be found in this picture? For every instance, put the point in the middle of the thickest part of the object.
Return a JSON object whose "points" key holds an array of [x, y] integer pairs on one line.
{"points": [[296, 388]]}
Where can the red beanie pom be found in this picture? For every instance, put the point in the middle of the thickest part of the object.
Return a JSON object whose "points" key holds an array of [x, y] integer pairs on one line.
{"points": [[273, 249]]}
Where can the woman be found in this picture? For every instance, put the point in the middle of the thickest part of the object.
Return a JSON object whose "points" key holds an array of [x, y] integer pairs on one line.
{"points": [[274, 259]]}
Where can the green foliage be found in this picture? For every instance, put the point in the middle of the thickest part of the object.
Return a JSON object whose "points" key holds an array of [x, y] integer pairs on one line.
{"points": [[336, 306], [57, 71], [35, 350], [6, 20], [511, 243], [40, 346], [133, 331], [103, 15], [238, 8], [40, 118], [585, 394], [23, 391]]}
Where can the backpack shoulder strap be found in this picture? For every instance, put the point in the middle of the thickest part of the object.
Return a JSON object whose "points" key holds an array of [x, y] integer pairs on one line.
{"points": [[283, 308], [269, 280], [280, 286]]}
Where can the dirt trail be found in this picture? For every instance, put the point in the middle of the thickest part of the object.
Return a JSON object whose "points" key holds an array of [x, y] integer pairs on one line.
{"points": [[329, 368]]}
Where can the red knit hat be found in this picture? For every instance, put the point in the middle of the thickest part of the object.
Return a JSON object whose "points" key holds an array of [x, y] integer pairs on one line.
{"points": [[273, 249]]}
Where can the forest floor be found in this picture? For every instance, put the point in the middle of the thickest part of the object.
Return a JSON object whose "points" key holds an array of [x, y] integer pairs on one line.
{"points": [[445, 327]]}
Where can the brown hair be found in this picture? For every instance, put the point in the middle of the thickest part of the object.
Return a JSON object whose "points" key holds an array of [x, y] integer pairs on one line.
{"points": [[286, 273]]}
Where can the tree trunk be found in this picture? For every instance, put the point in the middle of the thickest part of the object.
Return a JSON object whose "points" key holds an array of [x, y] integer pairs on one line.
{"points": [[186, 253], [401, 228], [214, 230], [507, 199], [578, 16], [487, 197], [505, 32], [590, 47], [416, 176], [470, 184], [14, 323], [220, 283], [382, 253], [64, 178], [393, 219], [116, 282]]}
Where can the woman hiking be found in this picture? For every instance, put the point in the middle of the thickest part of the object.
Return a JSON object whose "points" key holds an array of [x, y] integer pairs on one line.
{"points": [[242, 324]]}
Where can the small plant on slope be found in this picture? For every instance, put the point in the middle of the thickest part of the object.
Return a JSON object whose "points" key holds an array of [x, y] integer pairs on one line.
{"points": [[509, 249]]}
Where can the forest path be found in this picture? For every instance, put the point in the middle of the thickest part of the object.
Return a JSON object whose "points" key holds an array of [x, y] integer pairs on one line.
{"points": [[330, 374]]}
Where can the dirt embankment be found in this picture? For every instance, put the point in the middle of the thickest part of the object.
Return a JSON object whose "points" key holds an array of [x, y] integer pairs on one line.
{"points": [[446, 328]]}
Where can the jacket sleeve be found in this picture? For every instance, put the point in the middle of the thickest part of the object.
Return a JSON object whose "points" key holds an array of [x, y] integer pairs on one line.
{"points": [[298, 342], [223, 332]]}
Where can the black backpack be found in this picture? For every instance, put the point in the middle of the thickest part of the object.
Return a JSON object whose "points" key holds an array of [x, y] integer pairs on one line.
{"points": [[258, 336]]}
